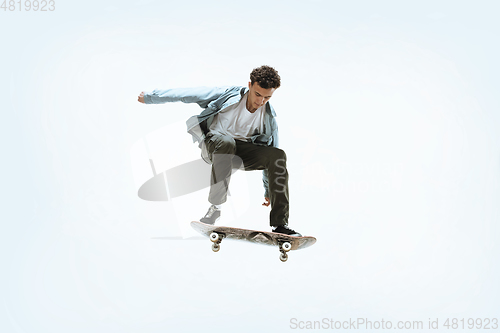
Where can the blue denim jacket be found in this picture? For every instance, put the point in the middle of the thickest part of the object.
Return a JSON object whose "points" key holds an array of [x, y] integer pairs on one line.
{"points": [[213, 100]]}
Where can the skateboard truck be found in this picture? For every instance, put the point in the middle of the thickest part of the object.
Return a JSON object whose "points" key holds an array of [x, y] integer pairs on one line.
{"points": [[284, 248], [216, 239]]}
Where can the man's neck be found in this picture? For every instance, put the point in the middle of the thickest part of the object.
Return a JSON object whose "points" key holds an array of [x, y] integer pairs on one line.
{"points": [[248, 108]]}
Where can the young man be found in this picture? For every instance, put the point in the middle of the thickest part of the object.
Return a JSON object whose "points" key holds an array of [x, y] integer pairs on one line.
{"points": [[238, 126]]}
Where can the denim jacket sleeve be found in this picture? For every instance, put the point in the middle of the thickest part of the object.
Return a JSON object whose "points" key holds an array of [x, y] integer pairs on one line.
{"points": [[200, 95], [265, 180]]}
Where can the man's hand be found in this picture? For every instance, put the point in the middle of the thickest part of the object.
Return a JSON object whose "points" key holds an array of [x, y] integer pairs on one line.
{"points": [[267, 203], [141, 97]]}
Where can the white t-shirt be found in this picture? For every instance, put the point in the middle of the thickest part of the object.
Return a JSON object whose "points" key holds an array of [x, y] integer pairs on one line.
{"points": [[238, 122]]}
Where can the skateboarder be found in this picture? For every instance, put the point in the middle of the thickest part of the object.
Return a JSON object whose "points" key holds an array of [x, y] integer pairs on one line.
{"points": [[237, 126]]}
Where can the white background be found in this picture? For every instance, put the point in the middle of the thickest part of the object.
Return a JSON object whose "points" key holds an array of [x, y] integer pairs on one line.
{"points": [[388, 112]]}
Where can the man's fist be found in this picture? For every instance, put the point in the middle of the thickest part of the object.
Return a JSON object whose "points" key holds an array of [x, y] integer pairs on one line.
{"points": [[267, 203], [141, 97]]}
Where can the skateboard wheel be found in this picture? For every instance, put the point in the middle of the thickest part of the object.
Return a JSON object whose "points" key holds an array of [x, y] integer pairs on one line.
{"points": [[283, 257], [286, 246], [215, 247], [214, 237]]}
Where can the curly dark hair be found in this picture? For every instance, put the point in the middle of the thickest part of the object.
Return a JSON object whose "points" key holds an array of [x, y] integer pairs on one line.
{"points": [[266, 76]]}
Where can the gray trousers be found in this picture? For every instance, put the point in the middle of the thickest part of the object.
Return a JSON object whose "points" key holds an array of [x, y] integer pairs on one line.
{"points": [[227, 153]]}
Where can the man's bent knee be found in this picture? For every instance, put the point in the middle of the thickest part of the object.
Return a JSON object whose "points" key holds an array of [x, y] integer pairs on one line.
{"points": [[278, 154]]}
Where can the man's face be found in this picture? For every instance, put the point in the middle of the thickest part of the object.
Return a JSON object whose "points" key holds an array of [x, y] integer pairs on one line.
{"points": [[258, 96]]}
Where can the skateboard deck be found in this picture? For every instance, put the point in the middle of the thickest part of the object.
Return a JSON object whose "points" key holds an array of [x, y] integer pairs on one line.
{"points": [[284, 242]]}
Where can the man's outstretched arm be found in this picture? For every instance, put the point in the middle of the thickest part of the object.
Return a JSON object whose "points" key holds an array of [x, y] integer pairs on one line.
{"points": [[200, 95]]}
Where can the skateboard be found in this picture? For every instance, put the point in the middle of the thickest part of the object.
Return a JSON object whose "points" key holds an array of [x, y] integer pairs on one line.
{"points": [[285, 243]]}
